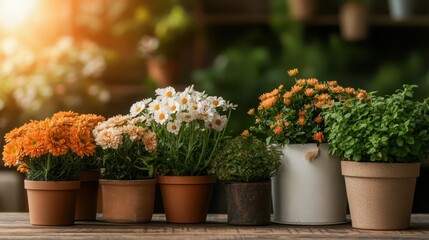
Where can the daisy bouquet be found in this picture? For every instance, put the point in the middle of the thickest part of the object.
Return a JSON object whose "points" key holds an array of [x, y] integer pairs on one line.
{"points": [[51, 149], [295, 115], [128, 150], [189, 126]]}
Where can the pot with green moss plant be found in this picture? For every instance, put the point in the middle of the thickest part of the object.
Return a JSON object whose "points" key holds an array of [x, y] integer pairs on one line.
{"points": [[382, 141], [246, 164], [128, 157]]}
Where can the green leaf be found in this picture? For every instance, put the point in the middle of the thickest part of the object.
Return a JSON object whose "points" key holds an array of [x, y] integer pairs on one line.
{"points": [[400, 142], [410, 140]]}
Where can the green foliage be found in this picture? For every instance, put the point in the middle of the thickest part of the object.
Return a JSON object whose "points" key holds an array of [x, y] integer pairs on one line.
{"points": [[49, 168], [129, 162], [245, 159], [393, 128]]}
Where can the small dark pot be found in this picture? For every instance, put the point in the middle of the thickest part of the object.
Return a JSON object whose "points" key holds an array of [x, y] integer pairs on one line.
{"points": [[248, 203]]}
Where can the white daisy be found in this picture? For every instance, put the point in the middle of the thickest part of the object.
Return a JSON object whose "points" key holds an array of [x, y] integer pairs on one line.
{"points": [[161, 117], [219, 123], [174, 127], [155, 106], [216, 101], [167, 92], [137, 108]]}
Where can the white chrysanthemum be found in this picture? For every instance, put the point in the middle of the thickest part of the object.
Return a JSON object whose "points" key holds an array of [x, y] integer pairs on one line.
{"points": [[118, 120], [173, 106], [161, 117], [219, 123], [137, 108], [167, 92], [135, 132], [184, 100], [174, 127], [109, 138]]}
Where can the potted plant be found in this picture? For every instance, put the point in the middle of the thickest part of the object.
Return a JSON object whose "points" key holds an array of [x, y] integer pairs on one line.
{"points": [[382, 141], [354, 20], [49, 152], [189, 125], [164, 27], [246, 164], [128, 157], [308, 188]]}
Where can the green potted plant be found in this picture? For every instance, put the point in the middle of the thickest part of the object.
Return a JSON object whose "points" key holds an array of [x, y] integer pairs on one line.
{"points": [[293, 119], [246, 165], [128, 157], [382, 141], [48, 152], [189, 125]]}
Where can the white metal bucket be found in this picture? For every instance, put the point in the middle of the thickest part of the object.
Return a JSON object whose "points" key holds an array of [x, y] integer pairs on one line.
{"points": [[309, 192]]}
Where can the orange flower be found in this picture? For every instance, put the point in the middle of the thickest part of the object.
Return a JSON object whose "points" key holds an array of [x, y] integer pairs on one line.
{"points": [[330, 102], [300, 82], [309, 92], [338, 89], [287, 102], [332, 83], [245, 133], [312, 81], [318, 137], [319, 104], [57, 141], [278, 130], [279, 116], [287, 95], [12, 153], [318, 119], [350, 90], [34, 144], [267, 103], [251, 111], [321, 87], [286, 124], [323, 97], [81, 142], [362, 94], [279, 123], [296, 89], [307, 106], [302, 113], [301, 121], [292, 72]]}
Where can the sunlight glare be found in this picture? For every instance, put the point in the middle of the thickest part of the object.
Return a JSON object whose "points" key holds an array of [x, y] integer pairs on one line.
{"points": [[14, 12]]}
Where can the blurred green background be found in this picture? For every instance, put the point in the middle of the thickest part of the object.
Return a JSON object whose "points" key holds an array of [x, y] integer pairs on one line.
{"points": [[101, 56]]}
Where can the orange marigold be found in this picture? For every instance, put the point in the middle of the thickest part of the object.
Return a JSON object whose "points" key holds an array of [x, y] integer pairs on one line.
{"points": [[287, 102], [251, 111], [245, 133], [287, 95], [302, 113], [319, 104], [318, 119], [350, 90], [332, 83], [267, 103], [286, 124], [362, 94], [301, 82], [321, 87], [279, 116]]}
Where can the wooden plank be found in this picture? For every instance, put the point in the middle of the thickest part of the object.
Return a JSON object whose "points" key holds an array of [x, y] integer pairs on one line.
{"points": [[17, 226]]}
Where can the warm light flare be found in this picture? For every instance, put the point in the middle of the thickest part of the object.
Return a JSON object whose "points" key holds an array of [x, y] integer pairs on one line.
{"points": [[14, 12]]}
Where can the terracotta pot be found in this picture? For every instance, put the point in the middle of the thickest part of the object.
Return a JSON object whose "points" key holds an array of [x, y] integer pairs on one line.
{"points": [[354, 21], [186, 198], [249, 203], [87, 196], [302, 10], [164, 71], [380, 194], [128, 201], [51, 203], [309, 192]]}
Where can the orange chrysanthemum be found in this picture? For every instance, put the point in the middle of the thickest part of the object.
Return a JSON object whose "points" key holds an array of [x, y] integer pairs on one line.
{"points": [[12, 153], [279, 116], [267, 103], [57, 141], [251, 111], [332, 83], [245, 133], [301, 121], [309, 92], [296, 89], [81, 142], [350, 90], [318, 119], [287, 95], [321, 87]]}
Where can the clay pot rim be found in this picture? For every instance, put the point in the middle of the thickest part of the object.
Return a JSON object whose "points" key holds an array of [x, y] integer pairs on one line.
{"points": [[380, 169], [191, 180], [51, 185], [89, 174], [127, 182]]}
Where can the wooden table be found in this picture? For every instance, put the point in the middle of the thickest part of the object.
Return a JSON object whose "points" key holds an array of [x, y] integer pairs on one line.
{"points": [[17, 226]]}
